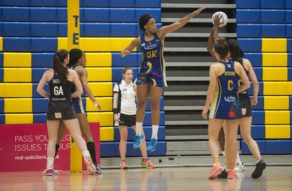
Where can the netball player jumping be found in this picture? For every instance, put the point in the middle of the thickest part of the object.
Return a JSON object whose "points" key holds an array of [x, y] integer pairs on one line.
{"points": [[151, 78]]}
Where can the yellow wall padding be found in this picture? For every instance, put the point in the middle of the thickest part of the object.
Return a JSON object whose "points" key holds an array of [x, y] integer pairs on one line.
{"points": [[106, 104], [104, 118], [16, 105], [274, 45], [276, 102], [275, 74], [17, 75], [17, 59], [19, 118], [274, 59], [99, 74], [277, 131], [106, 134], [277, 117]]}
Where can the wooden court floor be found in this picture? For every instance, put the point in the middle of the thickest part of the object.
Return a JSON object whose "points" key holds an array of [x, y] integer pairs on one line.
{"points": [[160, 179]]}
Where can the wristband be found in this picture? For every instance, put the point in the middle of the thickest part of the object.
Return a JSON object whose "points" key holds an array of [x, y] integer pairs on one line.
{"points": [[115, 111]]}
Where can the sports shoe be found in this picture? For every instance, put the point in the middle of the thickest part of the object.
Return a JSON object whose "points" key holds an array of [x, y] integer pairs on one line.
{"points": [[231, 174], [146, 163], [90, 166], [151, 145], [223, 174], [260, 167], [124, 165], [49, 172], [98, 169], [215, 171], [138, 140], [239, 167]]}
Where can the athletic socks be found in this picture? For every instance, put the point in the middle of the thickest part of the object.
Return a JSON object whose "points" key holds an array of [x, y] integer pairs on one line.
{"points": [[139, 128], [50, 163], [56, 149], [91, 149], [238, 161], [154, 131]]}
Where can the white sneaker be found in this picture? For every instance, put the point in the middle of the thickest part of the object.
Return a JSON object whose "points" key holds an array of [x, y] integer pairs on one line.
{"points": [[239, 167]]}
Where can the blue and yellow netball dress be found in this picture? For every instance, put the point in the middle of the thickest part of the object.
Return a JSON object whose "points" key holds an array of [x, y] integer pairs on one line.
{"points": [[152, 69], [226, 103]]}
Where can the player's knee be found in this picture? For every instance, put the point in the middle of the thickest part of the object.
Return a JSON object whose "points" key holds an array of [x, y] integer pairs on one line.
{"points": [[155, 105], [142, 104]]}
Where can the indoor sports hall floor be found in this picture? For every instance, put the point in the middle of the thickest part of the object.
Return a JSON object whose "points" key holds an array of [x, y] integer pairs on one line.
{"points": [[160, 179]]}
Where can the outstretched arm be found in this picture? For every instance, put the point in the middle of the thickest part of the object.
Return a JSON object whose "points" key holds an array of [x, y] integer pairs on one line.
{"points": [[214, 35], [135, 43], [179, 24]]}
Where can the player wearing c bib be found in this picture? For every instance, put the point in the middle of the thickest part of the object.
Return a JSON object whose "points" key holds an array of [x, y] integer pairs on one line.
{"points": [[223, 102]]}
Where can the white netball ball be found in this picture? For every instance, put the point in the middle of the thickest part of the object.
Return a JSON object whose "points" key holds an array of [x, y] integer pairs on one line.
{"points": [[223, 19]]}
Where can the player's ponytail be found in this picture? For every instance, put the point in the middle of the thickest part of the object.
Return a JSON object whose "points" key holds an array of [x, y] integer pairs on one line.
{"points": [[58, 66], [235, 50], [221, 47]]}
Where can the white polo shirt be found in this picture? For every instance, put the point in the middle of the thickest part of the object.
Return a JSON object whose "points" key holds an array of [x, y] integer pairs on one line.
{"points": [[128, 97]]}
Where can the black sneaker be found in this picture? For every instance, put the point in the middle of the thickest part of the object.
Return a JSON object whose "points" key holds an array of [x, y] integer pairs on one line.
{"points": [[223, 174], [260, 166]]}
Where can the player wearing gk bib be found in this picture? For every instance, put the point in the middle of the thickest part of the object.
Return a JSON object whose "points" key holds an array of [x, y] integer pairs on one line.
{"points": [[223, 103], [245, 102], [151, 78], [124, 107], [60, 81], [78, 63]]}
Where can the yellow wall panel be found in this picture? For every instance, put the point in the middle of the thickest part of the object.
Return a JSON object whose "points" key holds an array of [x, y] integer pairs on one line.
{"points": [[2, 90], [274, 59], [17, 105], [17, 90], [98, 59], [106, 134], [62, 43], [1, 44], [99, 74], [276, 102], [274, 45], [98, 44], [275, 74], [105, 103], [17, 59], [101, 88], [95, 44], [277, 88], [19, 118], [17, 75], [277, 117], [104, 118], [118, 44], [277, 131]]}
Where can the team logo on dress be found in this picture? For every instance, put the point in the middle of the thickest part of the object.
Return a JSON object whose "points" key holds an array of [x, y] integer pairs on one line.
{"points": [[150, 46], [229, 98], [143, 44]]}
